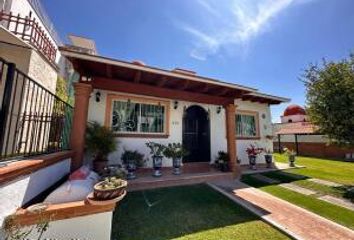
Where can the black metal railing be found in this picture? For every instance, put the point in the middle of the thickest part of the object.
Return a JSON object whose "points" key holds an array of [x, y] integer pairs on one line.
{"points": [[33, 120]]}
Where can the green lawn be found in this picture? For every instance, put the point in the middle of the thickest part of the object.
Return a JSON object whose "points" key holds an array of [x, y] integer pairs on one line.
{"points": [[190, 212], [332, 170]]}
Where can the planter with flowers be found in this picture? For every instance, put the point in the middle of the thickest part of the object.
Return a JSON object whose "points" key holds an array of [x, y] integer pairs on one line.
{"points": [[132, 160], [100, 142], [156, 150], [268, 156], [176, 152], [252, 152], [291, 156], [112, 188]]}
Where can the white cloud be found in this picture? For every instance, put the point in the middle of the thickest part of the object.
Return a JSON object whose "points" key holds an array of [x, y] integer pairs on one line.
{"points": [[235, 22]]}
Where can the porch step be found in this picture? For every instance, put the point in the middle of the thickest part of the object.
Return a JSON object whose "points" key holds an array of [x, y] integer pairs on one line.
{"points": [[169, 180], [197, 167]]}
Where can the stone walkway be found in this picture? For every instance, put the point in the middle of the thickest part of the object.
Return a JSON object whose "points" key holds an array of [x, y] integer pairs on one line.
{"points": [[296, 221], [298, 189], [338, 201], [325, 182]]}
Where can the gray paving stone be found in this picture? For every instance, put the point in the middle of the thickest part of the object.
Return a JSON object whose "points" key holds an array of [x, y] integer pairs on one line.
{"points": [[297, 188], [325, 182], [338, 201]]}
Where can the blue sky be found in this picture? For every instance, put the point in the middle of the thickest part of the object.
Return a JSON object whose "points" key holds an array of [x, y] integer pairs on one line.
{"points": [[265, 44]]}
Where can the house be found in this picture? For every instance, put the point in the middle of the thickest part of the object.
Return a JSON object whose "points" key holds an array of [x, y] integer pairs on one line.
{"points": [[143, 103], [296, 132]]}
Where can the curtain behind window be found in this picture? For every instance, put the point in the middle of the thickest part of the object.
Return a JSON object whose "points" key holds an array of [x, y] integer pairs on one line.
{"points": [[246, 125]]}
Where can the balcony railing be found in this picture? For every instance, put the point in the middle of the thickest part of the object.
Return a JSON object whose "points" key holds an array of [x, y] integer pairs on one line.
{"points": [[29, 31], [33, 120]]}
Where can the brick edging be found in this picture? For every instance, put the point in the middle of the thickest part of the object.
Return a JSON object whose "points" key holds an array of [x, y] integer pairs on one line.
{"points": [[24, 167]]}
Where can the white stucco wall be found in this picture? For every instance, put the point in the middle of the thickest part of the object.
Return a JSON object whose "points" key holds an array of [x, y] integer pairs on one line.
{"points": [[217, 128], [42, 72], [91, 227], [32, 63], [23, 7], [265, 128], [294, 118], [20, 191]]}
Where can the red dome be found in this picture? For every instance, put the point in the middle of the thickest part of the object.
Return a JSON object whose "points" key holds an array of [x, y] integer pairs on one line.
{"points": [[138, 62], [294, 110]]}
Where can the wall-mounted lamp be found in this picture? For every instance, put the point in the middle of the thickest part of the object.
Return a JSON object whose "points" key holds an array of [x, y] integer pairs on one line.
{"points": [[98, 96], [86, 79], [175, 104], [218, 109]]}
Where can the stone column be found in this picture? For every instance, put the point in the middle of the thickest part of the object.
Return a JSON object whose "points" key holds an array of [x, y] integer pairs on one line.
{"points": [[77, 140], [230, 111]]}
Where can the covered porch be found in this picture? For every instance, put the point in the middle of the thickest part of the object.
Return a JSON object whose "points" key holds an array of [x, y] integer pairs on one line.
{"points": [[196, 111]]}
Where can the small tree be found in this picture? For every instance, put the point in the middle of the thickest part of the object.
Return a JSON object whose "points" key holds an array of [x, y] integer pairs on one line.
{"points": [[330, 99]]}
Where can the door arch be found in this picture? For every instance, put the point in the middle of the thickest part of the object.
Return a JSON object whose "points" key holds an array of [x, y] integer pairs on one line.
{"points": [[196, 134]]}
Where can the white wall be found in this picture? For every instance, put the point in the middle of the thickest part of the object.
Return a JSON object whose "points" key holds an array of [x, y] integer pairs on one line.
{"points": [[294, 118], [217, 128], [265, 128], [95, 226], [20, 191], [23, 7]]}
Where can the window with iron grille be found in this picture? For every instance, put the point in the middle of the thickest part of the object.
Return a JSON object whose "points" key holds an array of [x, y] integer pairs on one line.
{"points": [[247, 125], [131, 116]]}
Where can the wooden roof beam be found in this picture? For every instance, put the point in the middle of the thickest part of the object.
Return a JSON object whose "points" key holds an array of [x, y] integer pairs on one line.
{"points": [[137, 77], [162, 82], [109, 70]]}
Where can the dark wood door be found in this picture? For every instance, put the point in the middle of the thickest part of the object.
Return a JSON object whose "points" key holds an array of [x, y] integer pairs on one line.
{"points": [[196, 135]]}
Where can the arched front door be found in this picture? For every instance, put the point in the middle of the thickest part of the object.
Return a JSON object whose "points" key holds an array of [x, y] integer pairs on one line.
{"points": [[196, 134]]}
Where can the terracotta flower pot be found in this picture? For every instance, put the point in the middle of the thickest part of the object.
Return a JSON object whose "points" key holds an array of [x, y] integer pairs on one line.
{"points": [[102, 194]]}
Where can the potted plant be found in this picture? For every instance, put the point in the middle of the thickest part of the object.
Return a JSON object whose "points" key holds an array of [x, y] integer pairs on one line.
{"points": [[132, 160], [156, 150], [100, 142], [176, 152], [252, 152], [222, 161], [291, 156], [268, 158], [110, 188]]}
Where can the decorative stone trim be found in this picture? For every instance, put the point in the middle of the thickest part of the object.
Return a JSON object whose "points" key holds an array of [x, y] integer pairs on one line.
{"points": [[61, 211], [24, 167]]}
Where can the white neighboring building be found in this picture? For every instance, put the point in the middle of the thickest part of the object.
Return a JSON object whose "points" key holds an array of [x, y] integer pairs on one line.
{"points": [[28, 39], [296, 132]]}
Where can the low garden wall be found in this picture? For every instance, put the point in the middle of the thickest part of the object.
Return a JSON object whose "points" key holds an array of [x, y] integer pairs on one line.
{"points": [[316, 149]]}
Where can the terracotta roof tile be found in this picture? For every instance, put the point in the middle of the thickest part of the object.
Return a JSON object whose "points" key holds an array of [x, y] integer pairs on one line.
{"points": [[297, 128]]}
